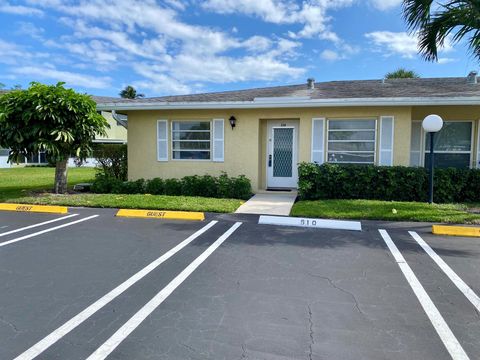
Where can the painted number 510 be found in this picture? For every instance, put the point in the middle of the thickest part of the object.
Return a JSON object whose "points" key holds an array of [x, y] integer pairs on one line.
{"points": [[308, 222]]}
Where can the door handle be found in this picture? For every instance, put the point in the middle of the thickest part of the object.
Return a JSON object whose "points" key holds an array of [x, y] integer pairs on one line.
{"points": [[270, 160]]}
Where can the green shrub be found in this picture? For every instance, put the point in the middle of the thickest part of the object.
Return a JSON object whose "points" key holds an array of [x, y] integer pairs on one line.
{"points": [[112, 160], [131, 187], [241, 188], [155, 186], [206, 186], [173, 187], [333, 181], [199, 186], [105, 185]]}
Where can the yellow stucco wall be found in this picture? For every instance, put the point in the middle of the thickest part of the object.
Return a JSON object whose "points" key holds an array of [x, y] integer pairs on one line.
{"points": [[116, 132], [245, 146]]}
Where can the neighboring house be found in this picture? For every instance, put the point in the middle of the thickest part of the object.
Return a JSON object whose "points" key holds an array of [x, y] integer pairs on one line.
{"points": [[363, 122], [117, 134]]}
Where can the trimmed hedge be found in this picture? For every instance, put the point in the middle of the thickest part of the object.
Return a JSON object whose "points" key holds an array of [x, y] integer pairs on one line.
{"points": [[391, 183], [222, 186]]}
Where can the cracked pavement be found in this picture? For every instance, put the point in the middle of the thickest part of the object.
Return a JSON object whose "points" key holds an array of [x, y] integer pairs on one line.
{"points": [[268, 292]]}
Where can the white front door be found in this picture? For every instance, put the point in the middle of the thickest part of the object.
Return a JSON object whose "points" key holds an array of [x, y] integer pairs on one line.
{"points": [[282, 154]]}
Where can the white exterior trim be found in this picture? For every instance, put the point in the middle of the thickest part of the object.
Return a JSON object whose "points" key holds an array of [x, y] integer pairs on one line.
{"points": [[381, 138], [312, 150], [298, 103], [478, 145], [165, 139], [218, 138]]}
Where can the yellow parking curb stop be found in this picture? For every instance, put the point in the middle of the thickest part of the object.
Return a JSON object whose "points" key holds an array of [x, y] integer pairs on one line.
{"points": [[158, 214], [456, 230], [34, 208]]}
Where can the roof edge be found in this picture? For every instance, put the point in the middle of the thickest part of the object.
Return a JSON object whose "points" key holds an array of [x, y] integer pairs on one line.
{"points": [[406, 101]]}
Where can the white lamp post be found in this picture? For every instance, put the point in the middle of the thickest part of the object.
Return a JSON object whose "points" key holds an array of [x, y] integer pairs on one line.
{"points": [[432, 124]]}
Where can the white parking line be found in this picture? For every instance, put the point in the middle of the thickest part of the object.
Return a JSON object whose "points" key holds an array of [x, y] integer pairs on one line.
{"points": [[443, 330], [121, 334], [35, 225], [71, 324], [46, 231], [459, 283]]}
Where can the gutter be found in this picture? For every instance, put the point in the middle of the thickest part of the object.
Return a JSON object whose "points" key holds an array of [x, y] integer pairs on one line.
{"points": [[290, 103]]}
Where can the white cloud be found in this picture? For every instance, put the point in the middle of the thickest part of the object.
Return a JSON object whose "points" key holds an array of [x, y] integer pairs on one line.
{"points": [[311, 14], [400, 43], [30, 29], [70, 78], [389, 43], [330, 55], [5, 7], [385, 4], [167, 54], [13, 54], [446, 60]]}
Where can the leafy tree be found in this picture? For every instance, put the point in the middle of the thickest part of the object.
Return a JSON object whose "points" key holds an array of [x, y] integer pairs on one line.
{"points": [[435, 20], [53, 119], [402, 73], [130, 93]]}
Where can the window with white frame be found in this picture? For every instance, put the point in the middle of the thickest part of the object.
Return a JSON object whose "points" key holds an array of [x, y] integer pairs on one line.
{"points": [[191, 140], [351, 141], [452, 145]]}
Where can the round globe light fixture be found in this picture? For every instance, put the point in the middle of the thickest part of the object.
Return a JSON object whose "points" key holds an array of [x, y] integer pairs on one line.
{"points": [[432, 123]]}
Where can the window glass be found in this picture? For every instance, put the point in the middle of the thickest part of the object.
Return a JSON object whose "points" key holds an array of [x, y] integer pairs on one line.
{"points": [[352, 124], [43, 157], [191, 155], [191, 125], [350, 157], [445, 160], [351, 135], [351, 141], [454, 136], [452, 145], [191, 140]]}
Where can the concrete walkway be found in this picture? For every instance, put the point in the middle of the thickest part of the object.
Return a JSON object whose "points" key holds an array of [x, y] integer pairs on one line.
{"points": [[269, 204]]}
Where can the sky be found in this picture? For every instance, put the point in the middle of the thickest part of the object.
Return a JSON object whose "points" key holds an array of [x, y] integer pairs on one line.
{"points": [[178, 47]]}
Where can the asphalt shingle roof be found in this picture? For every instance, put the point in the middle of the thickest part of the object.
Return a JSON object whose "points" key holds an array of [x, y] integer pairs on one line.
{"points": [[391, 88]]}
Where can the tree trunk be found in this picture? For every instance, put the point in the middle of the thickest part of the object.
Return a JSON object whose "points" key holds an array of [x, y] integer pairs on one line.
{"points": [[61, 177]]}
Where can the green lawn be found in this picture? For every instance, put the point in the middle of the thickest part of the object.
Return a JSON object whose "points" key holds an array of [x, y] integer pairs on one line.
{"points": [[16, 183], [25, 185], [385, 210], [154, 202]]}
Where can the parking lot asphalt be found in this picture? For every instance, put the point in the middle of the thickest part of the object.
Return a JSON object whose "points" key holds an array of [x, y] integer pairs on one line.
{"points": [[96, 286]]}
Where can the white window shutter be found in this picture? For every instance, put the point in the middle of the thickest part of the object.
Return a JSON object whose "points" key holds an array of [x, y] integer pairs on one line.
{"points": [[162, 140], [218, 140], [386, 140], [478, 145], [416, 144], [318, 140]]}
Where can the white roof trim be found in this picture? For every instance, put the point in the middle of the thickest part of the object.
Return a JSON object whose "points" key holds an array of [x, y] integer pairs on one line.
{"points": [[281, 99], [406, 101]]}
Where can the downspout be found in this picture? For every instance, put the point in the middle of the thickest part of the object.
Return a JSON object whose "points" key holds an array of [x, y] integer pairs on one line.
{"points": [[118, 120]]}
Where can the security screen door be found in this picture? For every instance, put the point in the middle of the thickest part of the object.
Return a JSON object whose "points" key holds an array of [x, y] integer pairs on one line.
{"points": [[282, 155]]}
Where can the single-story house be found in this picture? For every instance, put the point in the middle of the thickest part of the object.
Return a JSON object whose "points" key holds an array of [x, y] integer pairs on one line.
{"points": [[116, 134], [264, 133]]}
